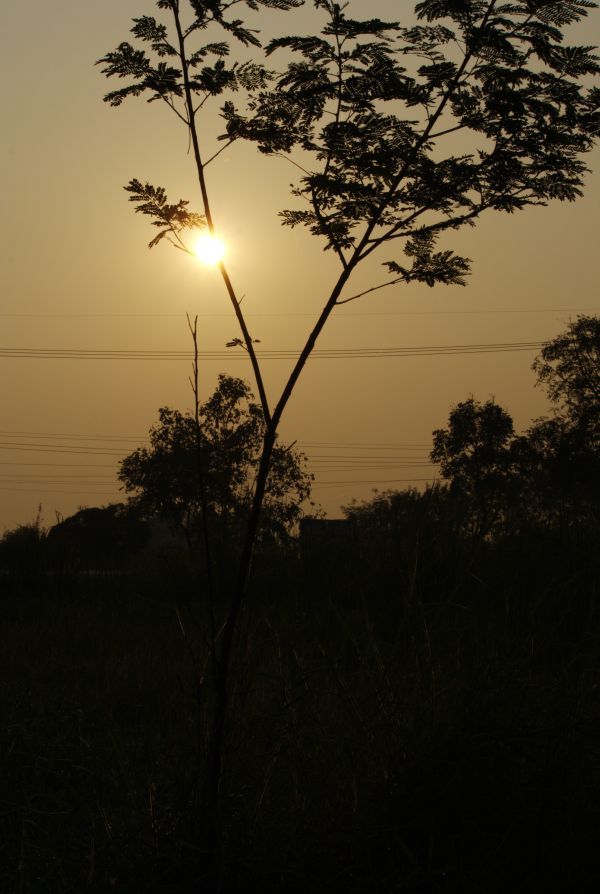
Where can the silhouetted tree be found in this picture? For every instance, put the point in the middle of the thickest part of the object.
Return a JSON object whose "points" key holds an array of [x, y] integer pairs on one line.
{"points": [[165, 476], [22, 551], [365, 106], [568, 367], [96, 538], [560, 455], [475, 458], [411, 536], [548, 476]]}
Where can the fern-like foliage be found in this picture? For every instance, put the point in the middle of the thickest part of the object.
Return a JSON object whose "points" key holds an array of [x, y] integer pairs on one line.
{"points": [[166, 67], [512, 84], [171, 220], [431, 266], [160, 80], [168, 82], [366, 108]]}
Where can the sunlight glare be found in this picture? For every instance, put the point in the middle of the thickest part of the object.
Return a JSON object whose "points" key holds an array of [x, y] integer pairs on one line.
{"points": [[209, 249]]}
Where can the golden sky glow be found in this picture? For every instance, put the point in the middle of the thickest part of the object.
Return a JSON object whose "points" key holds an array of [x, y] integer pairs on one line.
{"points": [[93, 284]]}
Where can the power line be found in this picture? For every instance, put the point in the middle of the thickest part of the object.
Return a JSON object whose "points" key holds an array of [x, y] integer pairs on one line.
{"points": [[61, 465], [316, 470], [72, 437], [107, 493], [331, 484], [338, 468], [348, 315], [108, 465], [324, 485], [75, 482], [345, 459], [59, 448], [73, 493], [102, 451], [325, 445], [319, 353], [61, 476], [78, 450], [351, 444]]}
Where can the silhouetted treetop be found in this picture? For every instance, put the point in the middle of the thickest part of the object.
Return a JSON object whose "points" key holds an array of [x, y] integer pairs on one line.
{"points": [[164, 477], [371, 102], [569, 367], [368, 108], [474, 450], [172, 220], [550, 475]]}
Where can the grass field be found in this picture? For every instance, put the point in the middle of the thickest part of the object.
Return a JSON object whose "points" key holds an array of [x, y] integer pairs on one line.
{"points": [[401, 723]]}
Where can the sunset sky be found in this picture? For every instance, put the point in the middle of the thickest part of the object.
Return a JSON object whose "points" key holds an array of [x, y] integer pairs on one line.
{"points": [[77, 274]]}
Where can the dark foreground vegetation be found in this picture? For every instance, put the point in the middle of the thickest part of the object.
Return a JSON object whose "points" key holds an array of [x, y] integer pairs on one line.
{"points": [[415, 704], [415, 713]]}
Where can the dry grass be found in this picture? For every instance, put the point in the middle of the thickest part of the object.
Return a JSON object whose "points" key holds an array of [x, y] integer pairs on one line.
{"points": [[385, 736]]}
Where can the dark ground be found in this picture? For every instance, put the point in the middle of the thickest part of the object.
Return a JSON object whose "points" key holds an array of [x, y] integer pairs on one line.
{"points": [[404, 721]]}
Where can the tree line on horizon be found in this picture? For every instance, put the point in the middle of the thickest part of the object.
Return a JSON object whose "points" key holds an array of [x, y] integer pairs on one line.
{"points": [[494, 481]]}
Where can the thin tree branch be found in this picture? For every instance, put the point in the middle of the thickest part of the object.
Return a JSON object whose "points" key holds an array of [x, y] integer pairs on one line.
{"points": [[216, 155], [292, 162], [438, 226], [324, 224], [174, 108], [209, 219], [382, 285], [375, 242], [442, 133], [422, 139], [201, 103], [193, 327], [328, 161]]}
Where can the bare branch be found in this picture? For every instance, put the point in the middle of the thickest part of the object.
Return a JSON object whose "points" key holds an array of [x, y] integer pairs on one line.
{"points": [[216, 155], [382, 285]]}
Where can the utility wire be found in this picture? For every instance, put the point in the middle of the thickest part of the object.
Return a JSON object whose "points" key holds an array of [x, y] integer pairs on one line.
{"points": [[352, 457], [351, 444], [330, 484], [61, 465], [73, 493], [325, 445], [323, 353], [108, 480], [59, 448], [345, 316], [79, 437], [113, 451]]}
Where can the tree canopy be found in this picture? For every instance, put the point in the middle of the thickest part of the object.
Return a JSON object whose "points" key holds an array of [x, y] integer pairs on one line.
{"points": [[551, 473], [366, 107], [569, 369], [223, 451]]}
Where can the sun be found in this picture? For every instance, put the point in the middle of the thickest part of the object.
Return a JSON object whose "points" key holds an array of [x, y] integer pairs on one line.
{"points": [[209, 249]]}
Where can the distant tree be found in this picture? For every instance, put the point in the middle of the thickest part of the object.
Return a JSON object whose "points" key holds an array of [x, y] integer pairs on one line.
{"points": [[474, 454], [561, 455], [22, 550], [364, 109], [164, 478], [401, 532], [96, 538], [549, 475], [568, 367]]}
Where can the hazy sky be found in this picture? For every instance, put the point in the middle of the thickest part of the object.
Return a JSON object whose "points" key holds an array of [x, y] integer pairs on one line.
{"points": [[76, 274]]}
